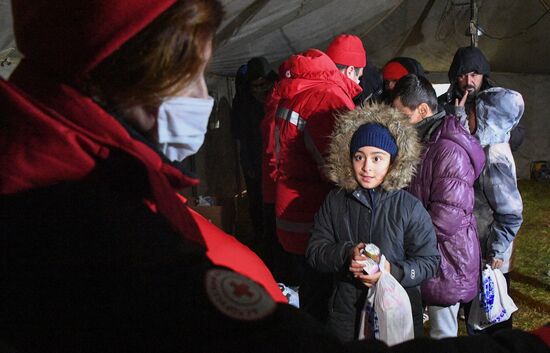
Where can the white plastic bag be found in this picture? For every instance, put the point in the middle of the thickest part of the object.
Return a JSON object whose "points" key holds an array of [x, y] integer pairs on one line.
{"points": [[493, 304], [291, 295], [368, 328], [393, 321]]}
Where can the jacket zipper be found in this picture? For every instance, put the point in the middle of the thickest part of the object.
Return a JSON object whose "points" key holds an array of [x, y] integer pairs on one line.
{"points": [[371, 213]]}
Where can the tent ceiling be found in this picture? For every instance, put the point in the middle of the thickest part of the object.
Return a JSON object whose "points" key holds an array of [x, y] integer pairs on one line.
{"points": [[428, 30], [277, 29]]}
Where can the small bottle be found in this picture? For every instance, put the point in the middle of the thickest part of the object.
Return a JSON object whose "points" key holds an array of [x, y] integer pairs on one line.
{"points": [[372, 251]]}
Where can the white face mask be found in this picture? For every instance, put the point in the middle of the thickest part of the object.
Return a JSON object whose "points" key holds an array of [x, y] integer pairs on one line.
{"points": [[181, 125]]}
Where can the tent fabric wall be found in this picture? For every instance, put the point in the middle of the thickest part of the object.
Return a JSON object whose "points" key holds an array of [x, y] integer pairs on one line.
{"points": [[9, 56], [216, 163], [277, 29], [431, 31], [427, 30], [536, 119], [6, 23]]}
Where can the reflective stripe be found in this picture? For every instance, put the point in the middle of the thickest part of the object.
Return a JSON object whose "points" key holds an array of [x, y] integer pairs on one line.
{"points": [[292, 117], [295, 119], [297, 227], [310, 146]]}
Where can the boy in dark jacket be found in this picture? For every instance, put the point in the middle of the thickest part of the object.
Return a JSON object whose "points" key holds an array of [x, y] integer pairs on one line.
{"points": [[370, 207]]}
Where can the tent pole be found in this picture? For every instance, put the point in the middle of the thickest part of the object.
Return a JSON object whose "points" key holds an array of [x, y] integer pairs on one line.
{"points": [[473, 23]]}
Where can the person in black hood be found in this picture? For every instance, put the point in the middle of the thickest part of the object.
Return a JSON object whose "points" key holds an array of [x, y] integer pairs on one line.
{"points": [[372, 85], [469, 74], [247, 113]]}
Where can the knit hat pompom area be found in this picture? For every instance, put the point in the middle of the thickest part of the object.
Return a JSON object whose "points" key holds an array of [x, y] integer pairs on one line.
{"points": [[374, 135]]}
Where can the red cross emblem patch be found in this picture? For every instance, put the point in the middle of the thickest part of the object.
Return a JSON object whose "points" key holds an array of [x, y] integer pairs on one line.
{"points": [[237, 296]]}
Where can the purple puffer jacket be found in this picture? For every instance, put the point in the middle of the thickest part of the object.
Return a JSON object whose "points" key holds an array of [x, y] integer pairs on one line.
{"points": [[451, 162]]}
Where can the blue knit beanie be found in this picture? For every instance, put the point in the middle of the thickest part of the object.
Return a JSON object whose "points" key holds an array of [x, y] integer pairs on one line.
{"points": [[374, 135]]}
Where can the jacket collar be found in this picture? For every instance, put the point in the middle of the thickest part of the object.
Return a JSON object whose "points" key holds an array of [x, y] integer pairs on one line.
{"points": [[426, 127], [368, 198], [371, 198], [450, 129]]}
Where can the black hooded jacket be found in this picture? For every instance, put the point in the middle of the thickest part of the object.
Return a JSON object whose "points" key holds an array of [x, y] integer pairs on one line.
{"points": [[471, 59], [372, 85], [466, 59]]}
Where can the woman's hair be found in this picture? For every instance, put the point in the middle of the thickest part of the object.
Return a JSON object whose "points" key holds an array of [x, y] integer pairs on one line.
{"points": [[160, 60]]}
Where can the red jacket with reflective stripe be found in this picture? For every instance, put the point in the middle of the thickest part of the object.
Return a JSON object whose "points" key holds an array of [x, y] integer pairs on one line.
{"points": [[267, 127], [313, 92]]}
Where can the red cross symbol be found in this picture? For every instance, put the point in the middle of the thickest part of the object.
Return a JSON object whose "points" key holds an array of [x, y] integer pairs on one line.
{"points": [[240, 289]]}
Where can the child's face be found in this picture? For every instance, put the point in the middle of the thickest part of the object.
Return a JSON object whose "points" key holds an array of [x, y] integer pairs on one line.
{"points": [[370, 166]]}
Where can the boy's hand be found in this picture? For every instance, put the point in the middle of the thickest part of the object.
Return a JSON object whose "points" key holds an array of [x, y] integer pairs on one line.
{"points": [[369, 280], [357, 269]]}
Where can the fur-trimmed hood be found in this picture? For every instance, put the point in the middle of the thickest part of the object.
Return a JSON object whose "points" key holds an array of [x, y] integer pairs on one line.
{"points": [[339, 167]]}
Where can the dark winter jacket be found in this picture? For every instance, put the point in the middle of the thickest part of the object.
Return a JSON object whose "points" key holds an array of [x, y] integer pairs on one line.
{"points": [[394, 220], [451, 161], [372, 85], [249, 113]]}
